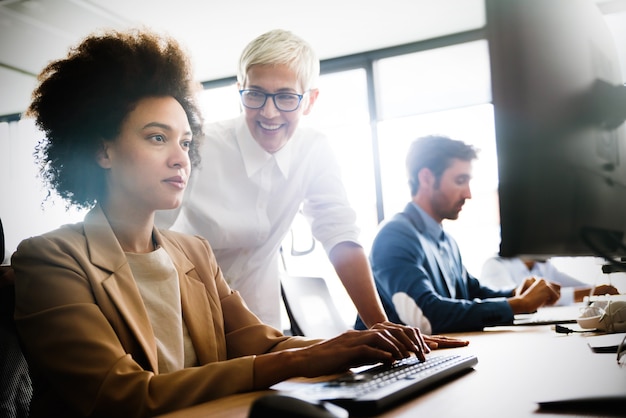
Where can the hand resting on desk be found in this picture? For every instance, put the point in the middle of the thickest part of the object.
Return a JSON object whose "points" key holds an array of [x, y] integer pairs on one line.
{"points": [[604, 289], [441, 341]]}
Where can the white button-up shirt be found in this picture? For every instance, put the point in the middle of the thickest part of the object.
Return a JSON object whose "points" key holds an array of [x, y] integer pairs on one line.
{"points": [[244, 200]]}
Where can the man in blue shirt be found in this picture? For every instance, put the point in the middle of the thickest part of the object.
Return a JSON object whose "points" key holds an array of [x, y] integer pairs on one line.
{"points": [[417, 266]]}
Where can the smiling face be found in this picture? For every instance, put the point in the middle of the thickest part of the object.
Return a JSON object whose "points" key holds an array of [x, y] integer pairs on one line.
{"points": [[270, 127], [148, 163]]}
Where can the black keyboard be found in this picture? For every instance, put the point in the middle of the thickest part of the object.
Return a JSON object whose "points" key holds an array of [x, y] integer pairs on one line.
{"points": [[373, 390]]}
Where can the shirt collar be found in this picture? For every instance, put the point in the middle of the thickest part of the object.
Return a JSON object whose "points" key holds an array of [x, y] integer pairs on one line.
{"points": [[255, 157], [434, 230]]}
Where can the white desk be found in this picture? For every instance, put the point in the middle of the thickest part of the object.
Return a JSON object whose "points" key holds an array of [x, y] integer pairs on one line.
{"points": [[517, 366]]}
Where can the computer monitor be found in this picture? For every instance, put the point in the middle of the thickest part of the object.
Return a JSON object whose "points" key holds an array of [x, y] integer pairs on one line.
{"points": [[559, 103]]}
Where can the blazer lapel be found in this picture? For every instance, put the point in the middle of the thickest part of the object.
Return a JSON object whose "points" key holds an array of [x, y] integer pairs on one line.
{"points": [[106, 253], [195, 306]]}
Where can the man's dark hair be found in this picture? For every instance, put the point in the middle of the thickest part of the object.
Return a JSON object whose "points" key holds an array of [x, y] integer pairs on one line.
{"points": [[435, 153]]}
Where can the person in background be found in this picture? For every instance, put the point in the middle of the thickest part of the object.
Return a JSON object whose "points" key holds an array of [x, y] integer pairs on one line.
{"points": [[417, 266], [505, 272], [260, 168], [116, 317]]}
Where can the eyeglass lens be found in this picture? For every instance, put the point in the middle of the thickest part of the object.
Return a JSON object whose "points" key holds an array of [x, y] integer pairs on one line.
{"points": [[286, 102]]}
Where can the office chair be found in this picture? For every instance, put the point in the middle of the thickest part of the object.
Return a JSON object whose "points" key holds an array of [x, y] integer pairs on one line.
{"points": [[16, 389], [310, 307]]}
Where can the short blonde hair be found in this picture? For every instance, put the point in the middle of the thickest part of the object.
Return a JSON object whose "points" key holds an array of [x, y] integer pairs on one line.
{"points": [[281, 47]]}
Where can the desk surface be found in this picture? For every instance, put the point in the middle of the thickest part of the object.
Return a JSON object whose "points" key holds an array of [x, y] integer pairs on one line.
{"points": [[517, 366]]}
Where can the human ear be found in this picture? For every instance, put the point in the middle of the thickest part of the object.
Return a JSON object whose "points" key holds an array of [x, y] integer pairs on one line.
{"points": [[426, 177], [310, 100], [102, 156]]}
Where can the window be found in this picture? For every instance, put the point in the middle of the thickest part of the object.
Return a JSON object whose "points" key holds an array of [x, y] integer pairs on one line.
{"points": [[24, 209], [220, 103], [442, 91]]}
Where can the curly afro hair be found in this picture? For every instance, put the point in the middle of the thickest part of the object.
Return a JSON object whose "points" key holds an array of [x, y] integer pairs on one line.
{"points": [[83, 99]]}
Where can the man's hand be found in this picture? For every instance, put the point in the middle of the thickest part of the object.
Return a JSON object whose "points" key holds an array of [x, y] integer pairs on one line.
{"points": [[534, 293], [605, 289]]}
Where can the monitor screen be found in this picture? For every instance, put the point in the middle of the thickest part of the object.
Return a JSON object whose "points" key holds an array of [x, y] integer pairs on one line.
{"points": [[558, 99]]}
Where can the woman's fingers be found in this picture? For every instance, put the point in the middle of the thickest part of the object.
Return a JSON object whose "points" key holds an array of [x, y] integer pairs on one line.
{"points": [[441, 341], [407, 339]]}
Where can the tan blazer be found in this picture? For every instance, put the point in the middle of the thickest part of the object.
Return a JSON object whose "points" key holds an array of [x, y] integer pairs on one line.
{"points": [[87, 335]]}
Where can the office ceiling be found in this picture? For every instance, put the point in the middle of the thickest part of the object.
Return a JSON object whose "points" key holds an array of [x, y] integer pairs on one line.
{"points": [[33, 32]]}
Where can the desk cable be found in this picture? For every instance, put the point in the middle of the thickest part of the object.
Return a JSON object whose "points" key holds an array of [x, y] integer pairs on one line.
{"points": [[560, 329]]}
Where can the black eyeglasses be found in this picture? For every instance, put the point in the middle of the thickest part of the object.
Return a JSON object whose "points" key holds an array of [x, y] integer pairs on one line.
{"points": [[285, 102], [621, 352]]}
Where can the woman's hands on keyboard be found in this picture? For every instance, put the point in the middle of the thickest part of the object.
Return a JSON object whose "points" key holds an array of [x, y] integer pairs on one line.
{"points": [[384, 342]]}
